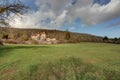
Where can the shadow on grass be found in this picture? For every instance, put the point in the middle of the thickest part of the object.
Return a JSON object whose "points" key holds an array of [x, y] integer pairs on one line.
{"points": [[4, 50]]}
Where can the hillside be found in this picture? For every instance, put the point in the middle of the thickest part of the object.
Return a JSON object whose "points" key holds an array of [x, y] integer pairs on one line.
{"points": [[25, 34]]}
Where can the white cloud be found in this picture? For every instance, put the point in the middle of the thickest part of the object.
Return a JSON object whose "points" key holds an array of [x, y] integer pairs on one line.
{"points": [[54, 13], [95, 14], [60, 19]]}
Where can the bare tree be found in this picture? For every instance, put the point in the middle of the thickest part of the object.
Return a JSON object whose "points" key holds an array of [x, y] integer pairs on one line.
{"points": [[8, 8]]}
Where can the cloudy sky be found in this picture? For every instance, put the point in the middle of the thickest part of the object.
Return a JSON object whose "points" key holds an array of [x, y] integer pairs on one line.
{"points": [[97, 17]]}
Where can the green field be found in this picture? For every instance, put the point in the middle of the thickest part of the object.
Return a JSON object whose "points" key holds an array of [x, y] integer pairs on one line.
{"points": [[19, 59]]}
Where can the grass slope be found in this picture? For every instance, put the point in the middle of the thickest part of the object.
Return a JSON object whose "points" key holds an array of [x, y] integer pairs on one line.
{"points": [[15, 58]]}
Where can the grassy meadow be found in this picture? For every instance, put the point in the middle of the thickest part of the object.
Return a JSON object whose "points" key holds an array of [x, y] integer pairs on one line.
{"points": [[82, 61]]}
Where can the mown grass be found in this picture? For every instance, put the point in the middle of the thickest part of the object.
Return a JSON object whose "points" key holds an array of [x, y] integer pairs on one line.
{"points": [[90, 61]]}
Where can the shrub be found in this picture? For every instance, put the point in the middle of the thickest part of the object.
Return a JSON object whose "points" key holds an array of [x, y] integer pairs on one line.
{"points": [[34, 42], [5, 36], [11, 41], [67, 35], [24, 37], [1, 43]]}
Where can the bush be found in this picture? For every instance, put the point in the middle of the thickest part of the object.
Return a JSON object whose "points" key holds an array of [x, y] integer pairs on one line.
{"points": [[24, 37], [34, 42], [67, 36], [11, 41], [5, 36], [1, 43]]}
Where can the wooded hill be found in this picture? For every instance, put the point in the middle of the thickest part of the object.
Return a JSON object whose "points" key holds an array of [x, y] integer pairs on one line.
{"points": [[61, 36]]}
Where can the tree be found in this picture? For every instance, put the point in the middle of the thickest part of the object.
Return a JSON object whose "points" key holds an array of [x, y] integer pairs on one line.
{"points": [[67, 36], [10, 8], [105, 38], [115, 39], [119, 40]]}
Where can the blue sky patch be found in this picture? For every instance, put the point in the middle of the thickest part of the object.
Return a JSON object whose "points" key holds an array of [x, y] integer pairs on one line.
{"points": [[101, 2]]}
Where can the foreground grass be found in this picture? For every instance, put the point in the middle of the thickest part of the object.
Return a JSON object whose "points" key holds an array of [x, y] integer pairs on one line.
{"points": [[67, 69], [30, 61]]}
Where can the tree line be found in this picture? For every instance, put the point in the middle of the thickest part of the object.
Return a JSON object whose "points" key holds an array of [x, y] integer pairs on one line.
{"points": [[111, 40]]}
